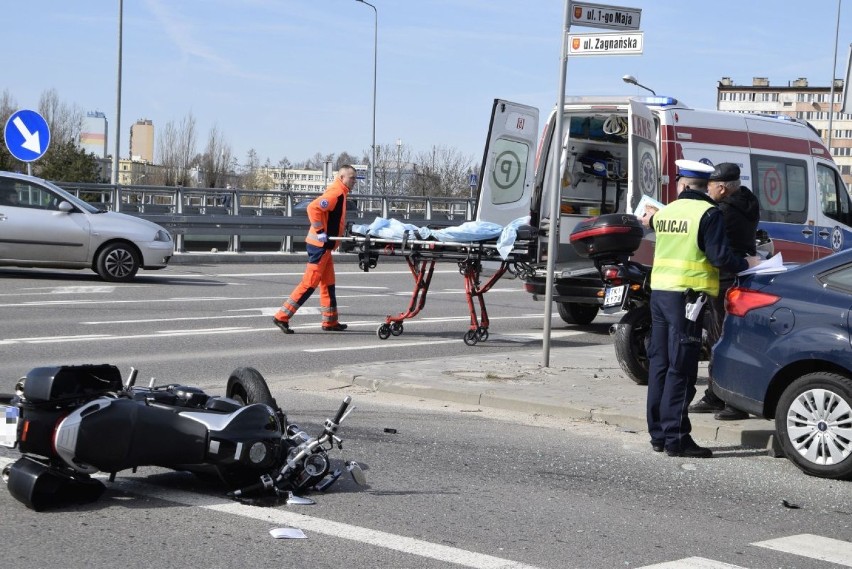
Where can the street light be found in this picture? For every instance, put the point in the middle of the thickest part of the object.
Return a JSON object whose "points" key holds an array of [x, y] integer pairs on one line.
{"points": [[375, 59], [632, 81], [115, 158]]}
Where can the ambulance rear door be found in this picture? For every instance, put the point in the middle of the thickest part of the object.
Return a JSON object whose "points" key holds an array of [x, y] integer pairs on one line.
{"points": [[508, 165], [643, 177]]}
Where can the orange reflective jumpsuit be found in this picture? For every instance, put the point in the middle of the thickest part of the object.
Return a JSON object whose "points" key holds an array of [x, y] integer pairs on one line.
{"points": [[327, 215]]}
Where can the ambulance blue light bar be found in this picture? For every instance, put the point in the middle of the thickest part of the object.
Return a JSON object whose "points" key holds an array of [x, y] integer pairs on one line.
{"points": [[659, 101]]}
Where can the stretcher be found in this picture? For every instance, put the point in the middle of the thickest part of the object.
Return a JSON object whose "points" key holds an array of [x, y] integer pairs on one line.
{"points": [[421, 255]]}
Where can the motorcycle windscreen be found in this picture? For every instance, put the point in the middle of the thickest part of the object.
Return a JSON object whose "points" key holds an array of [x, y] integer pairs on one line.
{"points": [[643, 156], [508, 164]]}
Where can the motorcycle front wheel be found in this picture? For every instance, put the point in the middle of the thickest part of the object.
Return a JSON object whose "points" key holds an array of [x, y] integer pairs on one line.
{"points": [[631, 337], [246, 386]]}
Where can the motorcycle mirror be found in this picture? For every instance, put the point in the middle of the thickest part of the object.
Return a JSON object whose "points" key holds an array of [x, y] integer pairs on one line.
{"points": [[357, 473], [293, 500]]}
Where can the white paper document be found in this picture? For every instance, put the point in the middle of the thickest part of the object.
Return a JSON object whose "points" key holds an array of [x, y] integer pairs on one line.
{"points": [[287, 533], [646, 201], [774, 264]]}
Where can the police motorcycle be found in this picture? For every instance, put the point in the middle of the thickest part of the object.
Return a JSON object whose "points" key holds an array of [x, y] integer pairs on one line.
{"points": [[609, 241], [70, 422]]}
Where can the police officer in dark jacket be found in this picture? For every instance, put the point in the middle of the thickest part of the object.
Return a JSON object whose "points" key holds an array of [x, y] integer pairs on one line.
{"points": [[691, 247], [741, 212]]}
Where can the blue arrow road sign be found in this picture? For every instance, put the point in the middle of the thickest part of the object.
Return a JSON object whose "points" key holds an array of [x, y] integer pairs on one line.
{"points": [[27, 135]]}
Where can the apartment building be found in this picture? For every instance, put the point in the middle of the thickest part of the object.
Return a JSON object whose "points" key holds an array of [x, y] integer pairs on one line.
{"points": [[142, 141], [800, 100]]}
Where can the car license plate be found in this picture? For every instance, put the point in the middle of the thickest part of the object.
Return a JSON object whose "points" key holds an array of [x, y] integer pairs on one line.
{"points": [[9, 426], [613, 296]]}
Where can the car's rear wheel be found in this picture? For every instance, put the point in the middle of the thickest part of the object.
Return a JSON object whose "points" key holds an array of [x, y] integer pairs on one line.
{"points": [[814, 424], [575, 313], [118, 262]]}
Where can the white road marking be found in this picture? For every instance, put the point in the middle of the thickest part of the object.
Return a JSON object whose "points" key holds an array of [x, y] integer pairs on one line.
{"points": [[318, 526], [813, 547], [382, 346], [692, 563], [276, 298]]}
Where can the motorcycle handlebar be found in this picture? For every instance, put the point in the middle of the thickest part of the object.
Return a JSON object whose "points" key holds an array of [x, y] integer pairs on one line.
{"points": [[342, 409]]}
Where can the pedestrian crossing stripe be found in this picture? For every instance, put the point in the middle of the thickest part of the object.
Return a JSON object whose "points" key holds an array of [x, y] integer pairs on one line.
{"points": [[807, 545], [813, 546], [692, 563]]}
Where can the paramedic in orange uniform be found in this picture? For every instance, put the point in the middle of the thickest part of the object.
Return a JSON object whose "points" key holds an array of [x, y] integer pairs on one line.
{"points": [[327, 215]]}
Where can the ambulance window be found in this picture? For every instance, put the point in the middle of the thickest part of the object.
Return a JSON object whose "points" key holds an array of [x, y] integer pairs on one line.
{"points": [[781, 187], [510, 169], [833, 197]]}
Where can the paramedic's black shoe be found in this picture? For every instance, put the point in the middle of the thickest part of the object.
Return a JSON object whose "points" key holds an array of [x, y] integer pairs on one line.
{"points": [[285, 327], [657, 447], [335, 327], [730, 414], [706, 405], [691, 450]]}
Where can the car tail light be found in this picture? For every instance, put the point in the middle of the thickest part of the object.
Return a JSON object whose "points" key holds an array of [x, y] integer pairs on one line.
{"points": [[739, 301]]}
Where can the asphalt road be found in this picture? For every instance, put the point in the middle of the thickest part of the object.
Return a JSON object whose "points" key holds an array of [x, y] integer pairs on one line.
{"points": [[197, 323], [454, 486]]}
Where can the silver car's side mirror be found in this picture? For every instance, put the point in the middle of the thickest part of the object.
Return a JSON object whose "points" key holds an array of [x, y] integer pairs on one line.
{"points": [[65, 207]]}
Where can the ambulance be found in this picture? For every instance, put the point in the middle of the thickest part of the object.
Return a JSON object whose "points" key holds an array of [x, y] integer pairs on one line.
{"points": [[617, 150]]}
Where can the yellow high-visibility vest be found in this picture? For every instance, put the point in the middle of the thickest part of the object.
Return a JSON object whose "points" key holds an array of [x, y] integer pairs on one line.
{"points": [[678, 262]]}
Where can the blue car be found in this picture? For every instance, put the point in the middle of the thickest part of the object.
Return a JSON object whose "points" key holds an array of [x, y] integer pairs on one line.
{"points": [[785, 354]]}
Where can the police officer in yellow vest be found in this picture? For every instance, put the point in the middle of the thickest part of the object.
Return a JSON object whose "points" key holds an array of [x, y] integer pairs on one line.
{"points": [[690, 249]]}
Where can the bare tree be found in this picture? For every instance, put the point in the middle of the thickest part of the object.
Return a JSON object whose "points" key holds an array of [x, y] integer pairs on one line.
{"points": [[64, 121], [176, 151], [7, 107], [443, 172], [394, 169], [344, 158], [215, 160]]}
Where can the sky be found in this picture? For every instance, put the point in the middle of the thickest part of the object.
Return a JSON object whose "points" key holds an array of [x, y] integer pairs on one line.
{"points": [[292, 78]]}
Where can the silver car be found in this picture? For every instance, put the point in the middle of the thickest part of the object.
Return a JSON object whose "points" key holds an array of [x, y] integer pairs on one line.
{"points": [[42, 225]]}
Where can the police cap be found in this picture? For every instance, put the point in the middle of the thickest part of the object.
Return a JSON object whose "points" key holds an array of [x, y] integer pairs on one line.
{"points": [[693, 169]]}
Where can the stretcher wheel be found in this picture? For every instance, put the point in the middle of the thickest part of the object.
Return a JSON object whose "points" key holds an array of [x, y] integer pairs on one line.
{"points": [[396, 328], [482, 333], [384, 331], [471, 338]]}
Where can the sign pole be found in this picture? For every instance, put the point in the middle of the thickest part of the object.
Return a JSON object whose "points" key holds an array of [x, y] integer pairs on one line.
{"points": [[556, 198]]}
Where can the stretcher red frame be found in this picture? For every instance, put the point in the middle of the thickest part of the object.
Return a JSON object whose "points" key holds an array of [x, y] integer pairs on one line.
{"points": [[422, 255]]}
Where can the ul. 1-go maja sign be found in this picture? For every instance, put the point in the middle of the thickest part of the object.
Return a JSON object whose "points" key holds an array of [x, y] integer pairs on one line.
{"points": [[628, 41]]}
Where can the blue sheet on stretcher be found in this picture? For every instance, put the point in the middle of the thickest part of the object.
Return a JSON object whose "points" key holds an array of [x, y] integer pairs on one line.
{"points": [[469, 231]]}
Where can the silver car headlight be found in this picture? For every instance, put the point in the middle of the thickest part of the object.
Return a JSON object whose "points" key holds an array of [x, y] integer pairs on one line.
{"points": [[163, 235]]}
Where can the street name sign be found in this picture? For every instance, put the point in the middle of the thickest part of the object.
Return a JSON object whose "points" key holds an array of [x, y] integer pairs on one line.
{"points": [[27, 135], [603, 16], [608, 43]]}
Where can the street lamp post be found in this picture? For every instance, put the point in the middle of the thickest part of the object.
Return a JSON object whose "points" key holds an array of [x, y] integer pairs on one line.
{"points": [[632, 81], [115, 157], [375, 61]]}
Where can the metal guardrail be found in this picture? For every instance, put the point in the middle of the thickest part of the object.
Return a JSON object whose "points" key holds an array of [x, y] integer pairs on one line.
{"points": [[206, 216]]}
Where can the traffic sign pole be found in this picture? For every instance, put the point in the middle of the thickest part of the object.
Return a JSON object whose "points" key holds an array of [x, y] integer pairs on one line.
{"points": [[594, 16]]}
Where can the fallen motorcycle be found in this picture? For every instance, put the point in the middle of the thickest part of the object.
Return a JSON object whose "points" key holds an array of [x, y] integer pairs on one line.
{"points": [[71, 422]]}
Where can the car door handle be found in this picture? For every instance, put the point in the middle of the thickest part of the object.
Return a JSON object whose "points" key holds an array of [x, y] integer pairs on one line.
{"points": [[807, 232], [2, 217], [824, 233]]}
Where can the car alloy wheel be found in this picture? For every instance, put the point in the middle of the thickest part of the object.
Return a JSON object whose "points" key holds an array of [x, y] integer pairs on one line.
{"points": [[814, 424], [117, 263]]}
